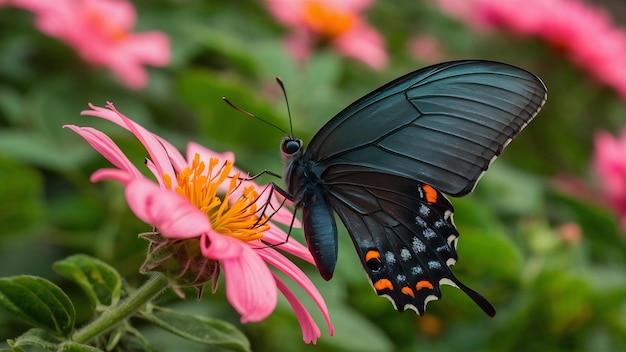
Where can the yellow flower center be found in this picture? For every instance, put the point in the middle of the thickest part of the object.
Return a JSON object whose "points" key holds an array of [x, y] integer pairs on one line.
{"points": [[328, 21], [236, 218]]}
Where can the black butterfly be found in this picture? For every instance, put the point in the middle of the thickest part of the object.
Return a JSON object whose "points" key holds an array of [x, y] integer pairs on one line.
{"points": [[383, 163]]}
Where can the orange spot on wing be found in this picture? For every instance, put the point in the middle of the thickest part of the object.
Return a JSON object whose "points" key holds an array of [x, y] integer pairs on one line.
{"points": [[423, 284], [430, 193], [408, 291], [372, 254], [383, 284]]}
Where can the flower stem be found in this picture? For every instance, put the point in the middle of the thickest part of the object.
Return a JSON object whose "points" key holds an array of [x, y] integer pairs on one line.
{"points": [[137, 300]]}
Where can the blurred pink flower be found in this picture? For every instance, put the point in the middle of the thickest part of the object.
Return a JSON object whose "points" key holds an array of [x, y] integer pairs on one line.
{"points": [[585, 33], [570, 232], [100, 31], [609, 161], [338, 23], [201, 197], [426, 48]]}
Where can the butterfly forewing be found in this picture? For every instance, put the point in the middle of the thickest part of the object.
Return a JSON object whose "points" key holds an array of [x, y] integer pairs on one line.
{"points": [[441, 125]]}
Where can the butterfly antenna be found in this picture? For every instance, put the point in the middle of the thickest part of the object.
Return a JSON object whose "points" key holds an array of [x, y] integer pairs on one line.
{"points": [[282, 87], [232, 105]]}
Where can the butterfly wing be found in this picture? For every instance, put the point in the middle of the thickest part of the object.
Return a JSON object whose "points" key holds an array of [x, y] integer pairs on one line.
{"points": [[383, 162], [403, 233], [441, 125]]}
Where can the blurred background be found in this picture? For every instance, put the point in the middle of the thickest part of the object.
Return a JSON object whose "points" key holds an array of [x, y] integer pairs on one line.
{"points": [[542, 236]]}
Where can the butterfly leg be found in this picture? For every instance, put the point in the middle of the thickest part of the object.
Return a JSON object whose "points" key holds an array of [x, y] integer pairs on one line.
{"points": [[286, 196], [264, 172]]}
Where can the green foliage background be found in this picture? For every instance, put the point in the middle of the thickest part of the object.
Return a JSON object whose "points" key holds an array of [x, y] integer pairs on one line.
{"points": [[551, 294]]}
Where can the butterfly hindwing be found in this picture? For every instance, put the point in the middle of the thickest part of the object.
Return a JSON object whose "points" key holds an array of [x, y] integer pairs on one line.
{"points": [[441, 125], [403, 232]]}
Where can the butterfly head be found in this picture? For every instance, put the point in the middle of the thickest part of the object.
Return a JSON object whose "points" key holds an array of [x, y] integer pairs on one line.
{"points": [[290, 147]]}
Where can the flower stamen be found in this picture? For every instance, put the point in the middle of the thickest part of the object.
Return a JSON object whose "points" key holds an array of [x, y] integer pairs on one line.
{"points": [[229, 215]]}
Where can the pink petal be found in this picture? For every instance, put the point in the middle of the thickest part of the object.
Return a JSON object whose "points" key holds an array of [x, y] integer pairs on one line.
{"points": [[173, 215], [426, 48], [310, 330], [150, 48], [156, 151], [105, 146], [288, 12], [118, 175], [119, 14], [206, 154], [276, 236], [283, 264], [250, 285], [365, 44], [154, 148], [300, 43], [217, 246], [346, 5], [129, 57]]}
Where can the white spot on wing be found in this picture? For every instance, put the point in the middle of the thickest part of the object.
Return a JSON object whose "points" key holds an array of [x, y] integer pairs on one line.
{"points": [[405, 254], [434, 265], [428, 299], [424, 210], [448, 282], [401, 278], [390, 299], [411, 307], [429, 233], [390, 258], [418, 246], [453, 240], [417, 270]]}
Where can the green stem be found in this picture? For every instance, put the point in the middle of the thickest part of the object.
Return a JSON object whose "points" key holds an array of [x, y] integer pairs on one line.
{"points": [[137, 300]]}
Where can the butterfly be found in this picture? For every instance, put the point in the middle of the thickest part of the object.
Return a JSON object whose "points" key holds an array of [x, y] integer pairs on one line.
{"points": [[384, 163]]}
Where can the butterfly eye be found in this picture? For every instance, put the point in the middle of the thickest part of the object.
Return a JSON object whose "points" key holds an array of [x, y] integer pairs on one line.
{"points": [[291, 146]]}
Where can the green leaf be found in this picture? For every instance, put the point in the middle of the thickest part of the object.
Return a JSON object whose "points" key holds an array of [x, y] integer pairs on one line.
{"points": [[35, 337], [39, 302], [204, 330], [77, 347], [101, 282]]}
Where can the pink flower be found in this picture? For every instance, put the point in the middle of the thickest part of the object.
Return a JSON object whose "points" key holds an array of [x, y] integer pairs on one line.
{"points": [[202, 198], [100, 31], [426, 48], [585, 33], [338, 23], [609, 163]]}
